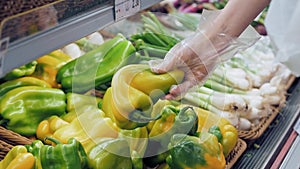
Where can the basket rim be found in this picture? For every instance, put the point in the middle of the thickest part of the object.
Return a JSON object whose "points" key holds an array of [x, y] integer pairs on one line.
{"points": [[236, 153]]}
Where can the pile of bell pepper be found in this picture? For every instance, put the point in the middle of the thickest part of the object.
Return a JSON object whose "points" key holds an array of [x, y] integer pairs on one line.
{"points": [[30, 94], [129, 127]]}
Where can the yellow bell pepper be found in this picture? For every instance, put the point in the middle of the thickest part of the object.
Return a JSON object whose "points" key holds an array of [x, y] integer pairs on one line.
{"points": [[17, 158], [134, 90], [46, 128], [88, 125], [229, 133], [48, 66], [76, 103]]}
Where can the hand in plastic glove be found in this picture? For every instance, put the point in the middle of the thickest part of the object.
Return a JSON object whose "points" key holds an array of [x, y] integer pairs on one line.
{"points": [[199, 54], [196, 56]]}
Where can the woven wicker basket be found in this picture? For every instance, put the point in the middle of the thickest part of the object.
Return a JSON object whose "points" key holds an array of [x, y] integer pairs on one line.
{"points": [[4, 149], [13, 138], [8, 139], [259, 129], [236, 153]]}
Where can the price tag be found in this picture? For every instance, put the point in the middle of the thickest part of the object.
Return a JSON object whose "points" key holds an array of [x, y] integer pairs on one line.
{"points": [[125, 8], [3, 49], [297, 127]]}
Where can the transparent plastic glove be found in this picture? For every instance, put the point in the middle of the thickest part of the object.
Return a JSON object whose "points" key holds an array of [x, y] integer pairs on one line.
{"points": [[199, 54]]}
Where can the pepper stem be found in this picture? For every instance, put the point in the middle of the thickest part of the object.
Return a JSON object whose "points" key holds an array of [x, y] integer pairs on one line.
{"points": [[182, 112], [184, 116], [55, 141], [140, 117]]}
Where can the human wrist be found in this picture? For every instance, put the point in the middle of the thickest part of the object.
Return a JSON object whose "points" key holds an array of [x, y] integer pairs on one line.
{"points": [[215, 29]]}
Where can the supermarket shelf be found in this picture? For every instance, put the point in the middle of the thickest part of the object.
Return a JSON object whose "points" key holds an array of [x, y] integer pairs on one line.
{"points": [[30, 48], [45, 42], [147, 3], [262, 152]]}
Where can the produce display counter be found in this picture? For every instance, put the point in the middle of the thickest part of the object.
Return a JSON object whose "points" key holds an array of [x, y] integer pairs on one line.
{"points": [[71, 25]]}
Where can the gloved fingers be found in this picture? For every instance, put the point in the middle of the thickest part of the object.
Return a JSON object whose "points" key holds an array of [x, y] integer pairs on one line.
{"points": [[155, 66], [169, 62], [193, 77], [176, 92]]}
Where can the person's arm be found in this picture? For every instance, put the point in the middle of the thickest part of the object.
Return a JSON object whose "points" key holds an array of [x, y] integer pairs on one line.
{"points": [[237, 15], [232, 21]]}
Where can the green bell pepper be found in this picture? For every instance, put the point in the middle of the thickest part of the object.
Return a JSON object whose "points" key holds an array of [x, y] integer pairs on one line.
{"points": [[62, 156], [23, 108], [203, 152], [76, 104], [215, 130], [35, 149], [138, 141], [21, 71], [173, 121], [23, 81], [110, 153], [95, 67], [76, 101]]}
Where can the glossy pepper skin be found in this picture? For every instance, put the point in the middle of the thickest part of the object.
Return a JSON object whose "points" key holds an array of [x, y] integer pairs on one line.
{"points": [[23, 81], [134, 90], [138, 141], [208, 120], [95, 67], [35, 149], [23, 108], [203, 152], [46, 128], [76, 104], [88, 125], [76, 101], [173, 121], [215, 130], [48, 65], [24, 70], [110, 154], [63, 156], [17, 158]]}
